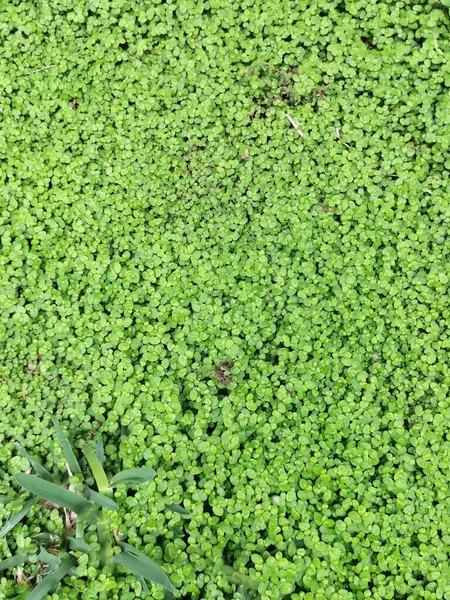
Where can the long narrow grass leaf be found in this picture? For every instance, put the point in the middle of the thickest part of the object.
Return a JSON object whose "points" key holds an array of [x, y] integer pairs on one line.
{"points": [[67, 449], [78, 545], [142, 582], [15, 560], [104, 539], [6, 499], [140, 565], [17, 517], [99, 451], [146, 569], [101, 499], [176, 508], [133, 476], [37, 466], [79, 529], [97, 470], [48, 558], [54, 493], [50, 583], [44, 538], [132, 549]]}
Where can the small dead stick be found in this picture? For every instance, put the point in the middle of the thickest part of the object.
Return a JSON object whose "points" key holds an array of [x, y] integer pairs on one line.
{"points": [[294, 124], [206, 165], [41, 69]]}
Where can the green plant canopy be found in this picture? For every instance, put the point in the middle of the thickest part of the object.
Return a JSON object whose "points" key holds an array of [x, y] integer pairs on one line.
{"points": [[224, 246]]}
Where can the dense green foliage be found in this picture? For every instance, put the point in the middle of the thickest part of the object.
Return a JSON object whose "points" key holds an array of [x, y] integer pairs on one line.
{"points": [[260, 315]]}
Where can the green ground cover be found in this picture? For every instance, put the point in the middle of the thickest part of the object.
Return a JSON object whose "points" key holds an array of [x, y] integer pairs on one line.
{"points": [[224, 248]]}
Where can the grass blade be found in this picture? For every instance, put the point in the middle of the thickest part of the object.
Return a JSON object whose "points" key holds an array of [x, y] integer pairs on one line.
{"points": [[17, 517], [44, 538], [78, 545], [40, 469], [54, 493], [67, 449], [50, 582], [97, 470], [140, 565], [104, 539], [79, 529], [142, 582], [101, 499], [176, 530], [6, 499], [132, 549], [99, 451], [15, 560], [177, 508], [48, 558], [133, 476]]}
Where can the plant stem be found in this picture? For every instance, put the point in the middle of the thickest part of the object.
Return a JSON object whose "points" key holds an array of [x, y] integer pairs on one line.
{"points": [[79, 530], [105, 544]]}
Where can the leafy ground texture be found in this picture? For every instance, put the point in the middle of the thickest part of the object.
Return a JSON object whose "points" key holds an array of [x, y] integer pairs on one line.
{"points": [[256, 306]]}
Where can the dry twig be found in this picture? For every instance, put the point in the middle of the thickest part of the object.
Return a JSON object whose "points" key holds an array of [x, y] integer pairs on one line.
{"points": [[41, 69], [294, 124]]}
